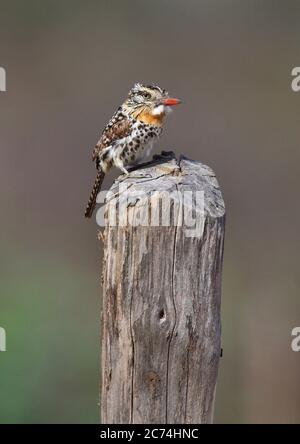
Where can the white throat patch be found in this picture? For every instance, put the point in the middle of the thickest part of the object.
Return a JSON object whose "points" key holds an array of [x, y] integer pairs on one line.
{"points": [[160, 109]]}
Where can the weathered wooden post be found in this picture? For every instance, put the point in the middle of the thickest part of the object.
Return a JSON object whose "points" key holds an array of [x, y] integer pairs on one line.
{"points": [[161, 294]]}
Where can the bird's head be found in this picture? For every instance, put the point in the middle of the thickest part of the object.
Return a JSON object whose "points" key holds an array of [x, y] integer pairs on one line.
{"points": [[149, 103]]}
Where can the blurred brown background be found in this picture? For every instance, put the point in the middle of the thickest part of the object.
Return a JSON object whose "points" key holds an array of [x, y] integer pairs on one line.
{"points": [[69, 63]]}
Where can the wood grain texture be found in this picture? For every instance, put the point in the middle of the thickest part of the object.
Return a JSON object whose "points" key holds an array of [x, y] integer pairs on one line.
{"points": [[161, 324]]}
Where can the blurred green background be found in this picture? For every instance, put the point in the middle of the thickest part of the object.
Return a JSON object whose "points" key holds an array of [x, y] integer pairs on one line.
{"points": [[69, 64]]}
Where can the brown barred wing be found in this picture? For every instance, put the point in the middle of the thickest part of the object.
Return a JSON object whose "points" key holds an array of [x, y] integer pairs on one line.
{"points": [[119, 127]]}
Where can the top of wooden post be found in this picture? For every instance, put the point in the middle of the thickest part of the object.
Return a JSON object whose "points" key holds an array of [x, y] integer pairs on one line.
{"points": [[164, 174]]}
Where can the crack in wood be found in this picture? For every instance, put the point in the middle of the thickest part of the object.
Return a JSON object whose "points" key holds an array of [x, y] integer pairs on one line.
{"points": [[187, 381], [175, 315], [132, 345]]}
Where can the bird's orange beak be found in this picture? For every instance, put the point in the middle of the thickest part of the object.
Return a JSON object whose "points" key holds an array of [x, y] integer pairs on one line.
{"points": [[171, 101]]}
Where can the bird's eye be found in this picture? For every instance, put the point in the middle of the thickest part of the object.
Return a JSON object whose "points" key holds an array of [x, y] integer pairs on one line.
{"points": [[147, 95], [137, 98]]}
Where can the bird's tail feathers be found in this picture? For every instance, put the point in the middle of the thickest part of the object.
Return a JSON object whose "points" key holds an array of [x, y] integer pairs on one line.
{"points": [[96, 188]]}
